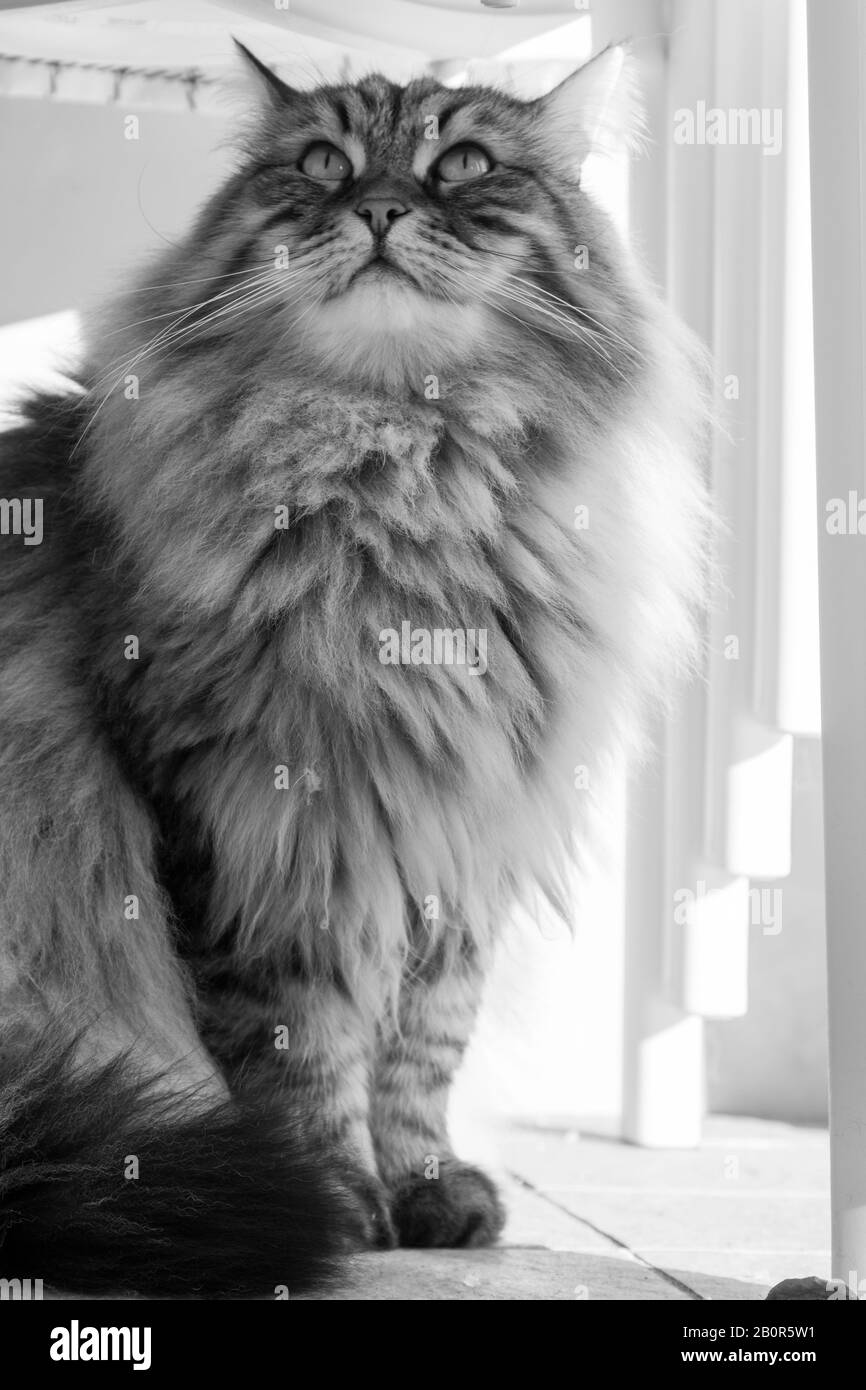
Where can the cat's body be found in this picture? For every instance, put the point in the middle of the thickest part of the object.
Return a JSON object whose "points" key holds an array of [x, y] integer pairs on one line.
{"points": [[199, 714]]}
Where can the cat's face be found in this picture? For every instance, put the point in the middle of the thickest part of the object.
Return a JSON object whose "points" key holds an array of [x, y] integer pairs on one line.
{"points": [[393, 200], [404, 215]]}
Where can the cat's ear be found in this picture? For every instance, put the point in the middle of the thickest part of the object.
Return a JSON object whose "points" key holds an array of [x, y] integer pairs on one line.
{"points": [[596, 109], [275, 90]]}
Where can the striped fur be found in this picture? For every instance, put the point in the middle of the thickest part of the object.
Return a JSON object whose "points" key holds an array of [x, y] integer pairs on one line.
{"points": [[269, 465]]}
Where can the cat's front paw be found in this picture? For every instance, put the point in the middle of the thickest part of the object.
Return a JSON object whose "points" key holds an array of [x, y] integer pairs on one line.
{"points": [[458, 1207], [370, 1226]]}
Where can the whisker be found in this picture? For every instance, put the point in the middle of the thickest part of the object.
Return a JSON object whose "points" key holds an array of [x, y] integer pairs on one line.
{"points": [[200, 279], [174, 333], [236, 297], [531, 296], [313, 244], [527, 260], [171, 313], [579, 309], [261, 292], [164, 341], [497, 308], [569, 326]]}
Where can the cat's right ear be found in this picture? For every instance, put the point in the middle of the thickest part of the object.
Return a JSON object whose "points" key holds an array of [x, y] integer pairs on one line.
{"points": [[277, 92], [596, 109]]}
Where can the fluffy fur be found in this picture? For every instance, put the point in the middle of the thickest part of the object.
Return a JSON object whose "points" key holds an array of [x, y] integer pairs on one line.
{"points": [[292, 436], [114, 1185]]}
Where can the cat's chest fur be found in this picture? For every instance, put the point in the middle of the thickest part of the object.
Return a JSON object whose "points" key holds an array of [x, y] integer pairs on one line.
{"points": [[307, 742], [393, 520], [383, 557]]}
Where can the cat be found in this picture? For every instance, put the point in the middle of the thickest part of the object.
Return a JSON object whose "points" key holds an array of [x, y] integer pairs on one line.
{"points": [[400, 382]]}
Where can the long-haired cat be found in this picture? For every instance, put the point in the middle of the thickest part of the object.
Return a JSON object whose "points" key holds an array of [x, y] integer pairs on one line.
{"points": [[377, 512]]}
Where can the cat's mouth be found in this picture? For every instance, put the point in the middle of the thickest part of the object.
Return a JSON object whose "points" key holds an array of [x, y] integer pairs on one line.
{"points": [[380, 266]]}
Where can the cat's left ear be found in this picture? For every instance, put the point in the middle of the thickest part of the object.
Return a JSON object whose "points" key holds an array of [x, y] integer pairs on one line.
{"points": [[277, 92], [596, 109]]}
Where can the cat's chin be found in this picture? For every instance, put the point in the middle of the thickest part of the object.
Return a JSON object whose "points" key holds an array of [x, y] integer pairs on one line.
{"points": [[385, 328], [382, 299]]}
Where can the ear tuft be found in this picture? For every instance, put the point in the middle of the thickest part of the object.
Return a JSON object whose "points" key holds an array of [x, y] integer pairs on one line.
{"points": [[278, 92], [597, 109]]}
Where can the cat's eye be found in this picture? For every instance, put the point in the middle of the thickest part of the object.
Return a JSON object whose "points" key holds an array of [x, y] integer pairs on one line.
{"points": [[462, 163], [325, 162]]}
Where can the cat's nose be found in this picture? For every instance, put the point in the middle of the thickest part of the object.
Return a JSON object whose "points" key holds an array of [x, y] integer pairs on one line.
{"points": [[380, 213]]}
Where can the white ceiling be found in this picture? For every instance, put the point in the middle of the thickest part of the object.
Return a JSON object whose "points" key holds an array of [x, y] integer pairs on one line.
{"points": [[196, 33]]}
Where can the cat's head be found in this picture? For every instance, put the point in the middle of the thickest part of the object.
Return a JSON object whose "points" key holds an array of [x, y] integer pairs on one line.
{"points": [[399, 227]]}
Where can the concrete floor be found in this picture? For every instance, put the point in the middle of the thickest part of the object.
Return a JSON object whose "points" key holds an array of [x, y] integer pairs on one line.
{"points": [[591, 1218]]}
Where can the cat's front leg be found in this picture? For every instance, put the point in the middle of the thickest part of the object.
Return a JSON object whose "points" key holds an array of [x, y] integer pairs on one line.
{"points": [[302, 1038], [436, 1200]]}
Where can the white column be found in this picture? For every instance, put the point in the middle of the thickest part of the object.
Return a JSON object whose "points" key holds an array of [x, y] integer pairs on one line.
{"points": [[663, 1054], [837, 92]]}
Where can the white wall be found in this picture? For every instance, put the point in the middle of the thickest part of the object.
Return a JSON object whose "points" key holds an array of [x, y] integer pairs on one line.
{"points": [[78, 197]]}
